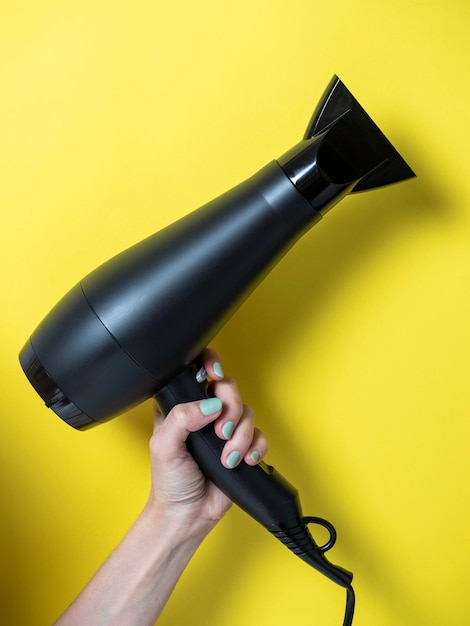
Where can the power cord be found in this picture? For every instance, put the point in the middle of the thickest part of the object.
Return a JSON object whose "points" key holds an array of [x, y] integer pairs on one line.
{"points": [[350, 604], [350, 596]]}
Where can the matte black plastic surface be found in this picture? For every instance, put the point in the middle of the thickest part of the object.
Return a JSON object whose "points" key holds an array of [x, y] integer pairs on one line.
{"points": [[85, 363], [135, 322], [166, 297], [131, 325]]}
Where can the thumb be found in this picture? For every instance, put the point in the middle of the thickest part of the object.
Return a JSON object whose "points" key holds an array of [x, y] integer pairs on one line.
{"points": [[170, 434]]}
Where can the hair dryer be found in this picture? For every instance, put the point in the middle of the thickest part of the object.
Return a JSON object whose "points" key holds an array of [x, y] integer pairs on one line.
{"points": [[134, 327]]}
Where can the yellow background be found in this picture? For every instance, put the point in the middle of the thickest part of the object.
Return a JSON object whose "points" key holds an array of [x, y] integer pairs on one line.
{"points": [[118, 117]]}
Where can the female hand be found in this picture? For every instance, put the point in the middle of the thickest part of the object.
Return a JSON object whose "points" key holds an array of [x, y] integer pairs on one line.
{"points": [[133, 585], [180, 493]]}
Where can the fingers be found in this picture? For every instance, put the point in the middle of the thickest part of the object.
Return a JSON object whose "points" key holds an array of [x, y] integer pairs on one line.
{"points": [[169, 436], [233, 421], [246, 443], [211, 362], [258, 448], [235, 425]]}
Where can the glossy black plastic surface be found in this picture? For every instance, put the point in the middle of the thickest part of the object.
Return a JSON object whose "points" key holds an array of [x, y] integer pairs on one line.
{"points": [[356, 139]]}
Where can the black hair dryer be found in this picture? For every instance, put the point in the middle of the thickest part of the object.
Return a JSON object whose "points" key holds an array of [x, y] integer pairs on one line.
{"points": [[134, 327]]}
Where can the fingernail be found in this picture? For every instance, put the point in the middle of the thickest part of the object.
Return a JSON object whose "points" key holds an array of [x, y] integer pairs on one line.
{"points": [[217, 367], [227, 429], [254, 456], [233, 459], [210, 406]]}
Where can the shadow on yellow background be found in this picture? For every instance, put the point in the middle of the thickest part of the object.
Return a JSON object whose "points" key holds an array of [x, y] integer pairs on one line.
{"points": [[117, 119]]}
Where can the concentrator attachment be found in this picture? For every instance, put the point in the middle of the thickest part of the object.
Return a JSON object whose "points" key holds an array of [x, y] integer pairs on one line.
{"points": [[343, 151]]}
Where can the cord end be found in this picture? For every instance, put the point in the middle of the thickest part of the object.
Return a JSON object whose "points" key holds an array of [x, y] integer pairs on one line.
{"points": [[350, 605]]}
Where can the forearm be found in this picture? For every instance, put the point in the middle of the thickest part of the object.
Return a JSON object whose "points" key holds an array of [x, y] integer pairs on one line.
{"points": [[133, 585]]}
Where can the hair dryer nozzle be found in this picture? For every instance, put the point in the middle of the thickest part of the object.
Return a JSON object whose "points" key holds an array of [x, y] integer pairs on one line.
{"points": [[357, 137]]}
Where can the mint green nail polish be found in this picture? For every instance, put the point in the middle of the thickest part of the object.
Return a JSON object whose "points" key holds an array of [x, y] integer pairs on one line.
{"points": [[218, 369], [233, 459], [210, 406], [227, 429], [254, 456]]}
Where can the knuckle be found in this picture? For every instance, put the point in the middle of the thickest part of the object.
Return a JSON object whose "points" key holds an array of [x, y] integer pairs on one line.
{"points": [[238, 408], [179, 414], [248, 412], [154, 444]]}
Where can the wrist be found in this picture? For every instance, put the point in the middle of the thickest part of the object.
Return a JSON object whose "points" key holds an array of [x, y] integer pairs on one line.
{"points": [[176, 525]]}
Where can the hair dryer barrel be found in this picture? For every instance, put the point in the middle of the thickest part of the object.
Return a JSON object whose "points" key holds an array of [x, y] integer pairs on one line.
{"points": [[140, 318], [137, 320]]}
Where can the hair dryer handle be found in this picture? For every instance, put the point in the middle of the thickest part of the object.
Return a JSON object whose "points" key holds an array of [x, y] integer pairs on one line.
{"points": [[259, 490]]}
